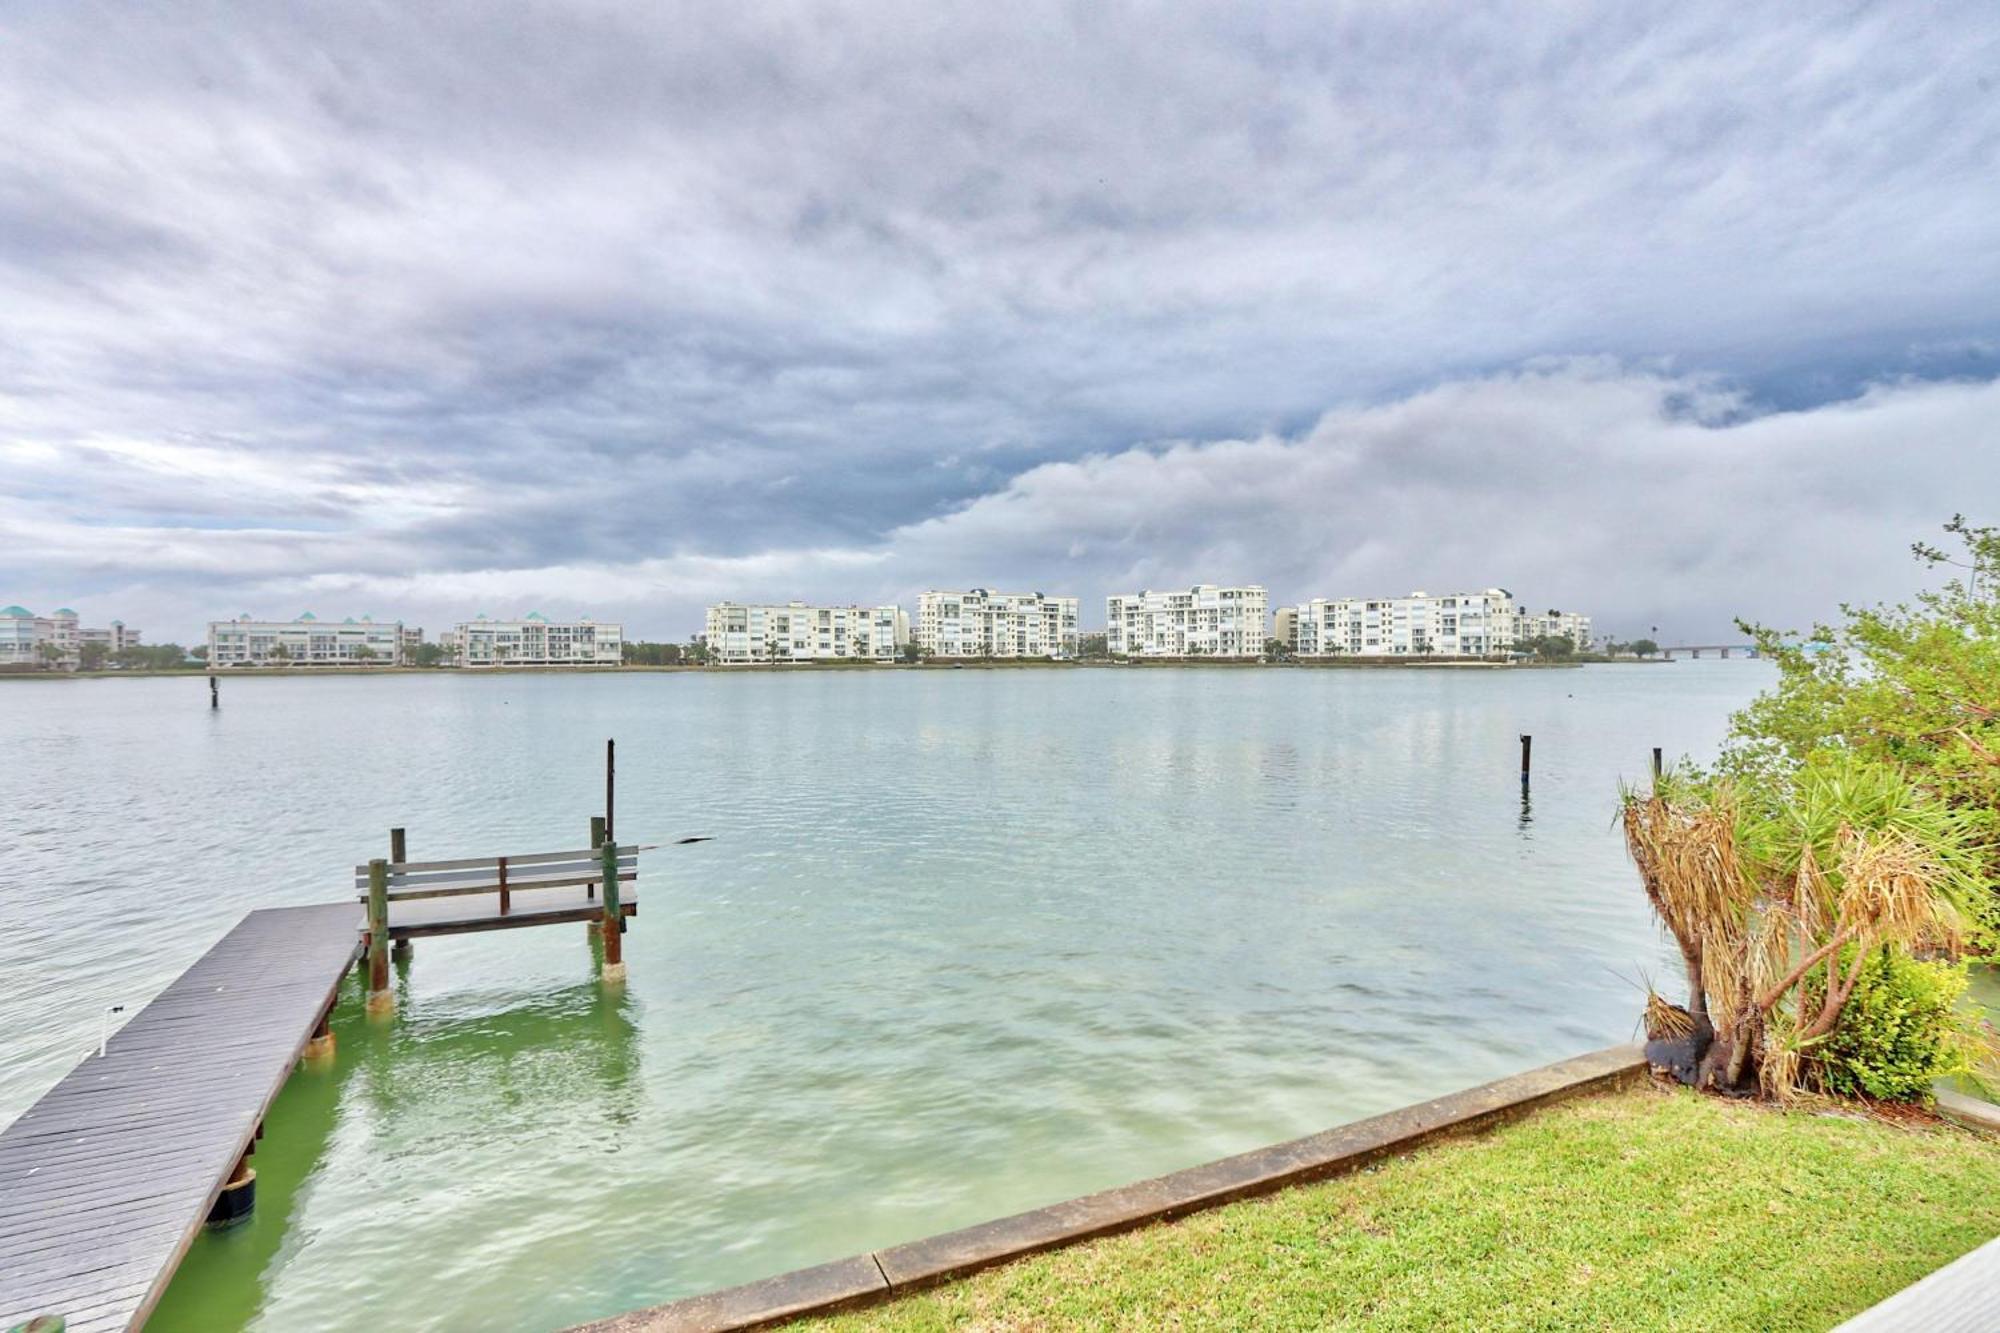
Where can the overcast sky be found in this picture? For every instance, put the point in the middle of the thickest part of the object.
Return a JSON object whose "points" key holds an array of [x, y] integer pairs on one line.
{"points": [[424, 310]]}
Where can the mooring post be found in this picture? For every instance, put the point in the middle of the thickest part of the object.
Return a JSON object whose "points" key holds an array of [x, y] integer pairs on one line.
{"points": [[238, 1198], [614, 920], [590, 889], [380, 998], [1656, 765], [506, 900], [1527, 750], [610, 785], [214, 693], [398, 854], [320, 1048]]}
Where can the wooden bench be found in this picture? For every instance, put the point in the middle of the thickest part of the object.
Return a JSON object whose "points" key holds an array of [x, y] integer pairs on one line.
{"points": [[407, 899]]}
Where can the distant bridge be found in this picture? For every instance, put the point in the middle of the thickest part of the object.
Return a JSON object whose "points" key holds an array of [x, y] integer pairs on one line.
{"points": [[1720, 649]]}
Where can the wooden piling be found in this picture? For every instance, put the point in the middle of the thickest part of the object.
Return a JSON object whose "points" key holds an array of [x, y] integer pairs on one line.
{"points": [[506, 899], [1527, 752], [320, 1046], [596, 841], [399, 852], [214, 693], [614, 917], [1656, 765], [610, 785], [380, 998]]}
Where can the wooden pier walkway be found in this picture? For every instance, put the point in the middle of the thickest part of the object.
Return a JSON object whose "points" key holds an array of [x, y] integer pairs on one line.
{"points": [[107, 1179]]}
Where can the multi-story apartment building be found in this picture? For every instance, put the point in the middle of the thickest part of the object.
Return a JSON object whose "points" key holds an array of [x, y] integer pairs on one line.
{"points": [[979, 623], [738, 633], [1204, 621], [307, 641], [413, 639], [1552, 624], [22, 634], [535, 640], [116, 639], [1463, 624], [24, 637]]}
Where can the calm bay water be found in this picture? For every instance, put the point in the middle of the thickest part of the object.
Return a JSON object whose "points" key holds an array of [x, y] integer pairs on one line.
{"points": [[965, 943]]}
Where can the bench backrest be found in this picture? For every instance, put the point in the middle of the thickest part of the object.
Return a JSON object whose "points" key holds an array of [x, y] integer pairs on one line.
{"points": [[492, 874]]}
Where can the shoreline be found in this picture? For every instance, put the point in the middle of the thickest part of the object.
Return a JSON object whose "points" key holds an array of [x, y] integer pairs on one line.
{"points": [[739, 668]]}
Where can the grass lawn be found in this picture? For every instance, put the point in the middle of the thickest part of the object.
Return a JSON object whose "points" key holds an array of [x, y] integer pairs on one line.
{"points": [[1644, 1208]]}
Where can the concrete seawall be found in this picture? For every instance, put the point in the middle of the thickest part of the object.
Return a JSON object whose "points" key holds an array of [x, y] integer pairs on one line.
{"points": [[883, 1274]]}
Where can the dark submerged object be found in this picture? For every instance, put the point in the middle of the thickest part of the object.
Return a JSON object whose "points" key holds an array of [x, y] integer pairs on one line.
{"points": [[236, 1202]]}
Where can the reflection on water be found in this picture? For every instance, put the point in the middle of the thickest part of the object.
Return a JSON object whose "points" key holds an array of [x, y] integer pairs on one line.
{"points": [[965, 943], [411, 1095]]}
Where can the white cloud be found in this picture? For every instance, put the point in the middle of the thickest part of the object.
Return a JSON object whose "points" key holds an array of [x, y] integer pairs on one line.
{"points": [[329, 293], [1641, 496]]}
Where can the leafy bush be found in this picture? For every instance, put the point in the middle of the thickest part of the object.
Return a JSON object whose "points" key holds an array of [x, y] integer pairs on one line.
{"points": [[1913, 685], [1900, 1029]]}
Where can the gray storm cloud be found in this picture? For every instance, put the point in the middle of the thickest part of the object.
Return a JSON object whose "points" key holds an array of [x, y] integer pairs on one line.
{"points": [[421, 310]]}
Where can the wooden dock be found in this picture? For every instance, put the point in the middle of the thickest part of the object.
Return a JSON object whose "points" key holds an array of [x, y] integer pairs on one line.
{"points": [[106, 1180]]}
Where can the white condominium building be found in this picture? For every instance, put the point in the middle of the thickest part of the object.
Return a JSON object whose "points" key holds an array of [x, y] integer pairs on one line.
{"points": [[739, 633], [57, 639], [535, 640], [22, 634], [1553, 624], [307, 641], [980, 623], [115, 639], [1204, 621], [1459, 624]]}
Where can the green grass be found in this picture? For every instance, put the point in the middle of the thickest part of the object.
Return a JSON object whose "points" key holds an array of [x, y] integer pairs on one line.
{"points": [[1636, 1209]]}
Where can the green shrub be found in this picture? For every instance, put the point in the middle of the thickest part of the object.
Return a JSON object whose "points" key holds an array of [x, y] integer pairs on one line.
{"points": [[1901, 1029]]}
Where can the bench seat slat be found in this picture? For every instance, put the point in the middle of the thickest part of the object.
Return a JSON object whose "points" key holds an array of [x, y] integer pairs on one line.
{"points": [[493, 886], [489, 870], [583, 866], [488, 862]]}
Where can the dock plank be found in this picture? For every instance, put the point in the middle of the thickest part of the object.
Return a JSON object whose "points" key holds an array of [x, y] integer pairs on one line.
{"points": [[105, 1181]]}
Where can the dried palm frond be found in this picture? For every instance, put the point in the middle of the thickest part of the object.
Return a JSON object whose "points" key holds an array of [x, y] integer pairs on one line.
{"points": [[1665, 1020], [1688, 862], [1811, 898], [1891, 890], [1778, 1071], [1776, 940]]}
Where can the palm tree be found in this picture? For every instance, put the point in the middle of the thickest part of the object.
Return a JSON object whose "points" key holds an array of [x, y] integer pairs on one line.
{"points": [[1777, 897]]}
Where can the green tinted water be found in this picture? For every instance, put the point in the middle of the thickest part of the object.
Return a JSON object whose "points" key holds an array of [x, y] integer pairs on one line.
{"points": [[965, 943]]}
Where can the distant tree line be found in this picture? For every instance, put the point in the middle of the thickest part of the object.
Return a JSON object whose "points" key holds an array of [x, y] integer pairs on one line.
{"points": [[138, 657], [1548, 647], [666, 654]]}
